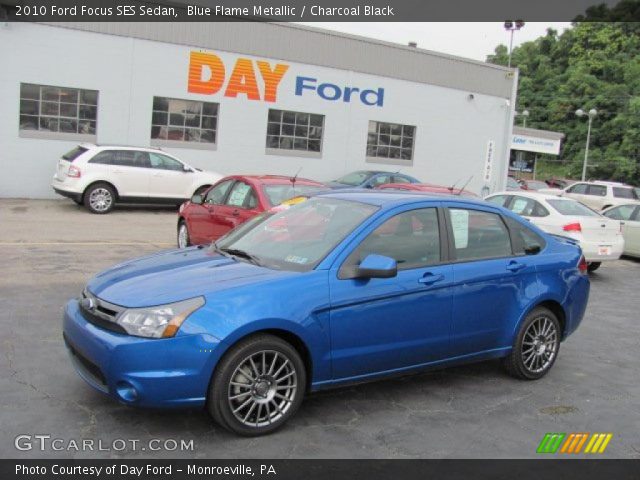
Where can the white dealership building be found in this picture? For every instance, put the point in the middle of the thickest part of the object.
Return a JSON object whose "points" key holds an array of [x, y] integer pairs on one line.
{"points": [[243, 97]]}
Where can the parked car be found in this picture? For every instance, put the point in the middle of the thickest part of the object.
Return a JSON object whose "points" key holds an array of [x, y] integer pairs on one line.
{"points": [[599, 237], [560, 183], [598, 195], [513, 185], [344, 287], [370, 179], [629, 216], [234, 200], [532, 184], [100, 176], [427, 188]]}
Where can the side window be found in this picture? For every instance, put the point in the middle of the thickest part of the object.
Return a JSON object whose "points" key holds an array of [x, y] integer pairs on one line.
{"points": [[106, 157], [597, 190], [522, 206], [400, 179], [163, 162], [623, 212], [217, 194], [380, 180], [499, 200], [411, 238], [240, 195], [526, 241], [580, 188], [478, 235]]}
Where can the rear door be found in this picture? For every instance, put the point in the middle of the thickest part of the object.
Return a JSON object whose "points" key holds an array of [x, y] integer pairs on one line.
{"points": [[492, 280], [128, 170], [578, 191], [596, 196], [168, 178]]}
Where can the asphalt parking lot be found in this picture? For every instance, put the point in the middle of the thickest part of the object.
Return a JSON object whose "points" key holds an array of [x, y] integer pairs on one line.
{"points": [[49, 249]]}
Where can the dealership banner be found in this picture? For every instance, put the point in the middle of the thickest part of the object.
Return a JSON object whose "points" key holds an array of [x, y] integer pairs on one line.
{"points": [[319, 469], [293, 10]]}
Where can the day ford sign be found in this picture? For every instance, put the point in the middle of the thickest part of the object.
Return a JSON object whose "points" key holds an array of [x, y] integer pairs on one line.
{"points": [[530, 143], [260, 80]]}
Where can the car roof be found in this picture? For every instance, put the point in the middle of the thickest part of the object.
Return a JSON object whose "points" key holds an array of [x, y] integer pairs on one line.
{"points": [[534, 195], [102, 146], [391, 198], [276, 179]]}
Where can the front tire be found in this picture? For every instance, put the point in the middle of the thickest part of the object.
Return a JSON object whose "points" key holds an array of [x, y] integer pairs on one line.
{"points": [[100, 198], [593, 266], [258, 385], [184, 240], [536, 347]]}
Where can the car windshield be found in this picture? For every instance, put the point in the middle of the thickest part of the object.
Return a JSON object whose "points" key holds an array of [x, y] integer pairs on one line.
{"points": [[536, 185], [622, 192], [572, 208], [512, 183], [297, 238], [279, 193], [355, 178]]}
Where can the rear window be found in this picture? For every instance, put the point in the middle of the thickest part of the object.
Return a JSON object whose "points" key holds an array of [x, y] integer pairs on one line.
{"points": [[279, 193], [568, 207], [621, 192], [71, 155]]}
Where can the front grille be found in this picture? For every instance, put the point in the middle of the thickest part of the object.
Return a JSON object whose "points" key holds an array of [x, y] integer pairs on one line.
{"points": [[103, 315], [85, 364]]}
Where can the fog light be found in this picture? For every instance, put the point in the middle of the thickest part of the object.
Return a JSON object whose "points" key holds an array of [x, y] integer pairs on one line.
{"points": [[127, 392]]}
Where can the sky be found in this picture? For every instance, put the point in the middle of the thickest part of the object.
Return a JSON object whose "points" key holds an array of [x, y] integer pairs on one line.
{"points": [[473, 40]]}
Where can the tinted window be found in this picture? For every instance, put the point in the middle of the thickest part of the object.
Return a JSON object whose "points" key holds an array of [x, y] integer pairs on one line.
{"points": [[276, 194], [164, 163], [526, 241], [354, 179], [295, 130], [122, 158], [498, 200], [411, 238], [580, 188], [478, 235], [218, 193], [104, 157], [570, 207], [527, 207], [512, 183], [621, 192], [71, 155], [597, 190], [184, 120], [380, 180], [390, 140], [400, 179], [623, 212]]}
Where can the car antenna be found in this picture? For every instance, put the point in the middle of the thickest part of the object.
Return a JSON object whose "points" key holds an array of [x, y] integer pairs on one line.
{"points": [[454, 185], [295, 177], [464, 186]]}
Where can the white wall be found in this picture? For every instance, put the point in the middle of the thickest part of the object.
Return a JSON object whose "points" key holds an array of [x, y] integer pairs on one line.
{"points": [[451, 139]]}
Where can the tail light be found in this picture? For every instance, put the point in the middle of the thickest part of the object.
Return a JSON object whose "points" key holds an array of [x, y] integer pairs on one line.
{"points": [[74, 172], [572, 227], [582, 265]]}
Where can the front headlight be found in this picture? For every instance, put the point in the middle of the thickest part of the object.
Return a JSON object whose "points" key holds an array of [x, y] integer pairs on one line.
{"points": [[161, 321]]}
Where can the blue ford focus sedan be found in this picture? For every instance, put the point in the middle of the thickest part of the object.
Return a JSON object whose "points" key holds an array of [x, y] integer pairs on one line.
{"points": [[344, 287]]}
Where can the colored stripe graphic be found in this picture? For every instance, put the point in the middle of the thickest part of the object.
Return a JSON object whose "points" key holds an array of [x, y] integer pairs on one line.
{"points": [[598, 443], [550, 442], [574, 443]]}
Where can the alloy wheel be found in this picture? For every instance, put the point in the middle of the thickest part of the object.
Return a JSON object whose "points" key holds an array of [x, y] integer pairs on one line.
{"points": [[539, 344], [100, 199], [183, 236]]}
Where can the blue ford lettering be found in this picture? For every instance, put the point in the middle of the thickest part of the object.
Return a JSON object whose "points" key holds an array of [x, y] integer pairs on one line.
{"points": [[330, 91]]}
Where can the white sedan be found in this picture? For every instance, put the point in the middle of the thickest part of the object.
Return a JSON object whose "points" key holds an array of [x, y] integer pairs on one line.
{"points": [[629, 217], [600, 237]]}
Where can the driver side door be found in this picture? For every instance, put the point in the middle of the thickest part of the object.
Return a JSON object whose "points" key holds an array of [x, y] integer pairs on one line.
{"points": [[382, 325]]}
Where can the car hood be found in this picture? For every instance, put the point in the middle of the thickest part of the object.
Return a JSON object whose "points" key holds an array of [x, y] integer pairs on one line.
{"points": [[176, 275]]}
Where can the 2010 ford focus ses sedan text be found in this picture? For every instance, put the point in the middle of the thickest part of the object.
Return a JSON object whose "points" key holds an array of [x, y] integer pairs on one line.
{"points": [[345, 287]]}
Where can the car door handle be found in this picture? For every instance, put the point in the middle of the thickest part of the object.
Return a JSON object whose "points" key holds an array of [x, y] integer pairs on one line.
{"points": [[515, 266], [430, 278]]}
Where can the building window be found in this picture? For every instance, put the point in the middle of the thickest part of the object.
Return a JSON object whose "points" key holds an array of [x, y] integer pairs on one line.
{"points": [[295, 131], [58, 110], [177, 121], [390, 141]]}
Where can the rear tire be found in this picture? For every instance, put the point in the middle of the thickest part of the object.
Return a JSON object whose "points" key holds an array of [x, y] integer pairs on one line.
{"points": [[536, 347], [99, 198], [258, 385], [184, 239], [593, 266]]}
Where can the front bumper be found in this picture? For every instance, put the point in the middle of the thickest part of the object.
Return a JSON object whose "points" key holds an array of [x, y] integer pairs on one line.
{"points": [[171, 372]]}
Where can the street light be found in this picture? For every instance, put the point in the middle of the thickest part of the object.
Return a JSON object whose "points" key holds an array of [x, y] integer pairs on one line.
{"points": [[592, 114], [511, 27], [524, 115]]}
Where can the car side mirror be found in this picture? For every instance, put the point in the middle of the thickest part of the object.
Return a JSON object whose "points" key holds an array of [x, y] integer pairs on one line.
{"points": [[377, 266], [197, 199], [187, 169]]}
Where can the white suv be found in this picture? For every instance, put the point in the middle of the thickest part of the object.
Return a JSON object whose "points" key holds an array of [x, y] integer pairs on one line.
{"points": [[100, 176], [600, 195]]}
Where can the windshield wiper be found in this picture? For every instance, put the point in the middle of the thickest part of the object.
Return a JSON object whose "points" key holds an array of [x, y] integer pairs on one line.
{"points": [[236, 252]]}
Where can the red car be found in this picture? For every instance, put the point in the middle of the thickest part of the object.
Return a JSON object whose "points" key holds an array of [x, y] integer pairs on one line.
{"points": [[427, 188], [234, 200]]}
